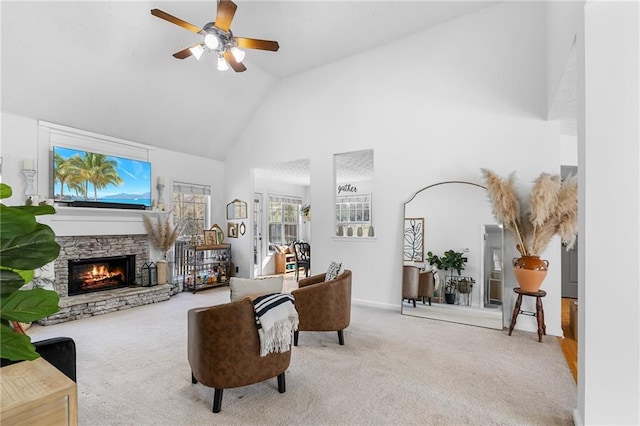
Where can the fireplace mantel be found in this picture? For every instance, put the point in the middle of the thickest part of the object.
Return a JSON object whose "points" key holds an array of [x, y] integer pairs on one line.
{"points": [[77, 221]]}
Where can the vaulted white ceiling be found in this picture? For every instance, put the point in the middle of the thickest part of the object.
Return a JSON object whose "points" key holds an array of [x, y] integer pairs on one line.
{"points": [[107, 67]]}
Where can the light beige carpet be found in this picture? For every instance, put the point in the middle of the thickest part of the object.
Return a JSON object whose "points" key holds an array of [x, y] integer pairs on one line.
{"points": [[393, 369]]}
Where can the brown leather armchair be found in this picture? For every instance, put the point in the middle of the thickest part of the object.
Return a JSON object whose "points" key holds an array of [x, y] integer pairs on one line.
{"points": [[426, 285], [410, 283], [323, 305], [224, 349]]}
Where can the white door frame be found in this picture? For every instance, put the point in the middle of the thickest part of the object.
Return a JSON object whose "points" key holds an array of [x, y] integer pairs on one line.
{"points": [[258, 245]]}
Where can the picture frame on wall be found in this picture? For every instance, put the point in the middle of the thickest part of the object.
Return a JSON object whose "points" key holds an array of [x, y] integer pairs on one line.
{"points": [[413, 246], [213, 236], [232, 230], [209, 237]]}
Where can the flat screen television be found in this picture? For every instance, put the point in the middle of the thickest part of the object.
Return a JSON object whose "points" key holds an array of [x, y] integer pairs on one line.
{"points": [[88, 179]]}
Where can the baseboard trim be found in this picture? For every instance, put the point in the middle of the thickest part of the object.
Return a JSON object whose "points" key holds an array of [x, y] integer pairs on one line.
{"points": [[380, 305], [577, 419]]}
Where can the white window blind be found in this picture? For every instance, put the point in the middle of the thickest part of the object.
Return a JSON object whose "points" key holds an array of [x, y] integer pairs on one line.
{"points": [[191, 188]]}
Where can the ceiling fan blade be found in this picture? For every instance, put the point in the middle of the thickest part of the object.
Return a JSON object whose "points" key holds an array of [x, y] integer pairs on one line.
{"points": [[254, 43], [185, 53], [164, 15], [237, 66], [226, 10]]}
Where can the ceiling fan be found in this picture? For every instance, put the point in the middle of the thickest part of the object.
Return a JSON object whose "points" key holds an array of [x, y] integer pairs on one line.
{"points": [[218, 38]]}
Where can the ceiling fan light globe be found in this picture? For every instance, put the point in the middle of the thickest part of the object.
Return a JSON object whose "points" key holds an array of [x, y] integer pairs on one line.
{"points": [[197, 51], [211, 40], [222, 64], [238, 54]]}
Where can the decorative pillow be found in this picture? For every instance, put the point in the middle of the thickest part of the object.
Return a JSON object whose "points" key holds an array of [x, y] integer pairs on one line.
{"points": [[333, 271], [243, 287]]}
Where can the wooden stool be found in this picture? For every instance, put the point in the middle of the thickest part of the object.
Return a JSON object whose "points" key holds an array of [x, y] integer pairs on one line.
{"points": [[539, 313]]}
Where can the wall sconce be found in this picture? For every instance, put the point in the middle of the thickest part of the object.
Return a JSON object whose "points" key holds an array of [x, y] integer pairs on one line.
{"points": [[29, 171]]}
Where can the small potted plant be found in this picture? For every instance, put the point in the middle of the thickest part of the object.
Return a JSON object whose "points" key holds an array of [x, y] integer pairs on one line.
{"points": [[163, 235], [306, 211], [450, 261], [450, 291], [465, 285]]}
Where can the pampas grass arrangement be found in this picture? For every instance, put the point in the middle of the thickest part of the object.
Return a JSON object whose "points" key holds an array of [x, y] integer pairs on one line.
{"points": [[162, 233], [552, 209]]}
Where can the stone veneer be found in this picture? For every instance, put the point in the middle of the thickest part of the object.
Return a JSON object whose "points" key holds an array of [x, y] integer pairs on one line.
{"points": [[84, 247], [102, 302]]}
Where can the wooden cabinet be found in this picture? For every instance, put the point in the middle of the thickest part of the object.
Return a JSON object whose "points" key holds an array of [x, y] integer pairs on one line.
{"points": [[285, 262], [207, 266], [495, 290], [37, 393]]}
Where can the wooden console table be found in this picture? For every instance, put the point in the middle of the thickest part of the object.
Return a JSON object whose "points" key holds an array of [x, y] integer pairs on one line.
{"points": [[37, 393]]}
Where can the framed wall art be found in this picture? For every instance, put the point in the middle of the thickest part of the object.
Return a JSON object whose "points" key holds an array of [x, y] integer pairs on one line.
{"points": [[232, 230], [213, 236], [413, 246]]}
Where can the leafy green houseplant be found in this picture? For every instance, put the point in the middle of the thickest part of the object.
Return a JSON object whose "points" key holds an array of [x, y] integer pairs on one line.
{"points": [[306, 211], [25, 245], [465, 284], [451, 260]]}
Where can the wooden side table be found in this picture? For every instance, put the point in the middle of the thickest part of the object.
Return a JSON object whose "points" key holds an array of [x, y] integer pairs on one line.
{"points": [[37, 393], [539, 313]]}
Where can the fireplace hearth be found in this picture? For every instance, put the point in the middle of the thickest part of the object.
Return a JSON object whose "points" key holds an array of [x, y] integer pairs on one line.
{"points": [[100, 274]]}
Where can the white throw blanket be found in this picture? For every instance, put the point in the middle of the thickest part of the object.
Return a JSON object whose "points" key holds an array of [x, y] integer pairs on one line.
{"points": [[436, 278], [277, 319]]}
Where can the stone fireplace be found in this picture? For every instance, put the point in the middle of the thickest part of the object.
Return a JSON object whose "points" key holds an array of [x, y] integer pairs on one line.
{"points": [[85, 249], [107, 271]]}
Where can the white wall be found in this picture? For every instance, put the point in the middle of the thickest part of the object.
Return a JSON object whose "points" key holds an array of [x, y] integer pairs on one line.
{"points": [[568, 150], [472, 95], [19, 143], [563, 18], [609, 185]]}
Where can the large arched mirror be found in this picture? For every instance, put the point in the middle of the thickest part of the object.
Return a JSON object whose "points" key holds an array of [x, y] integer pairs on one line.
{"points": [[451, 223]]}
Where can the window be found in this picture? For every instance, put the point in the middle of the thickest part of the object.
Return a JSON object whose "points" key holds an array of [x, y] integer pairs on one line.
{"points": [[284, 214], [353, 172], [191, 205], [353, 215]]}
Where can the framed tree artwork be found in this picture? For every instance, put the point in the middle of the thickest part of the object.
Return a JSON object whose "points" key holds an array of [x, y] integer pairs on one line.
{"points": [[413, 246]]}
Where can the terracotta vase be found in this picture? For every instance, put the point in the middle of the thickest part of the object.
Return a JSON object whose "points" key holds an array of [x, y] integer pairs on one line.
{"points": [[530, 271]]}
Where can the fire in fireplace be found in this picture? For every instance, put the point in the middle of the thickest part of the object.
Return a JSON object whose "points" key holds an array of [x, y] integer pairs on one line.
{"points": [[101, 273]]}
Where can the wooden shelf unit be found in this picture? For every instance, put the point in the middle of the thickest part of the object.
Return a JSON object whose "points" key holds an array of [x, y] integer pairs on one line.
{"points": [[285, 263], [207, 266]]}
